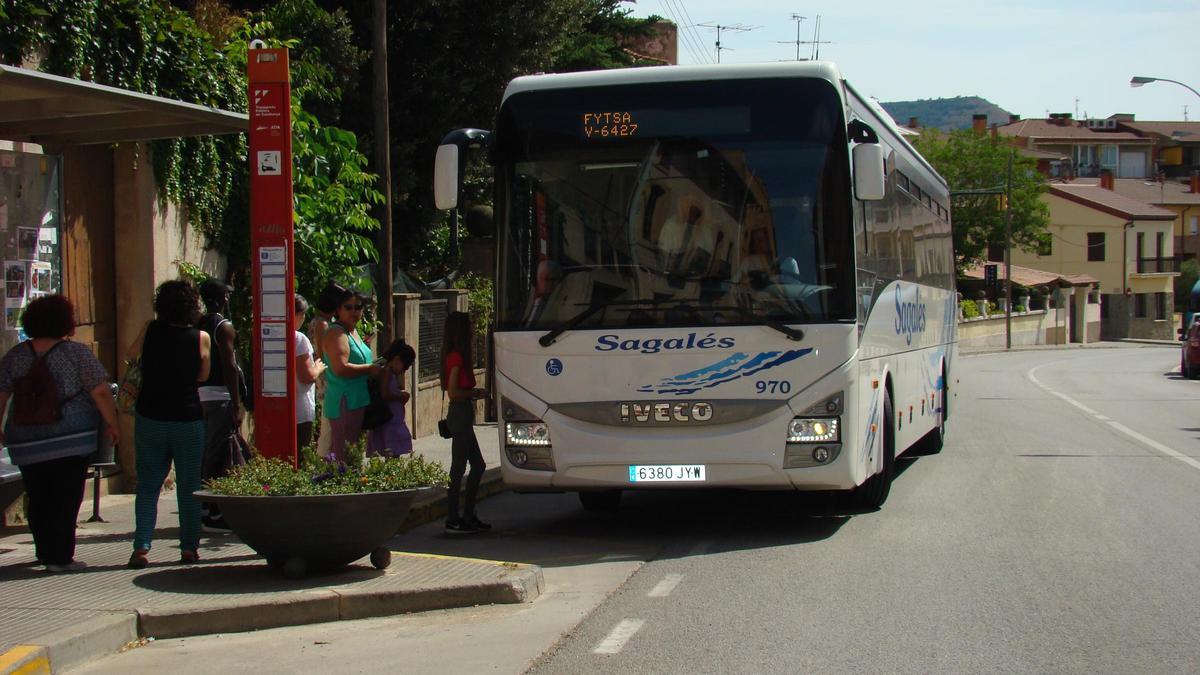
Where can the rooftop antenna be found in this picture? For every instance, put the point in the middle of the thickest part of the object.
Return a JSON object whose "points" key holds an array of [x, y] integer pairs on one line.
{"points": [[797, 18], [816, 42], [737, 27]]}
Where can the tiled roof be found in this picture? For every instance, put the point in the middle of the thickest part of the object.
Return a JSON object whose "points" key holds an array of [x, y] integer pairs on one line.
{"points": [[1027, 276], [1044, 130], [1184, 132], [1150, 192], [1109, 201]]}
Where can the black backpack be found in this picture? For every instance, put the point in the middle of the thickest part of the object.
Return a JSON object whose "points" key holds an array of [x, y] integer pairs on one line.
{"points": [[35, 394]]}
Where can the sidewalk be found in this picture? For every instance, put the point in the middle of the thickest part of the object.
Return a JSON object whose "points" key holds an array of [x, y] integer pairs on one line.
{"points": [[49, 622], [1104, 344]]}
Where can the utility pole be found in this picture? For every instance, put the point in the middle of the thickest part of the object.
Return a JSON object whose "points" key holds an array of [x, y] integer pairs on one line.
{"points": [[797, 18], [383, 164], [737, 27], [1008, 298]]}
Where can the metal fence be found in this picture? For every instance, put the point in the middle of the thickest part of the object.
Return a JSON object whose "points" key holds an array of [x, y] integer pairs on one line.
{"points": [[432, 323]]}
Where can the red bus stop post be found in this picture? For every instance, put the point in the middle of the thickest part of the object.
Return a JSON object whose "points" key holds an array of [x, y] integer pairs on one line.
{"points": [[271, 252]]}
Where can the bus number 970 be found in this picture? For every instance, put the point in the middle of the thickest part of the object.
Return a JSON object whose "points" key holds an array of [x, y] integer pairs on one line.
{"points": [[773, 386]]}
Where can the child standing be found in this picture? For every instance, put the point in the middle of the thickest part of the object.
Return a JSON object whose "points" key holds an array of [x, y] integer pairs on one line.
{"points": [[393, 438]]}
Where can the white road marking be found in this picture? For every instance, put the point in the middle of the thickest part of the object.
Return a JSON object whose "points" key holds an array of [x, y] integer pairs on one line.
{"points": [[620, 634], [1102, 418], [663, 588], [1170, 452], [1155, 444]]}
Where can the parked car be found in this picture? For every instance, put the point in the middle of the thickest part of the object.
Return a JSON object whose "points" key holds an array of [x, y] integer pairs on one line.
{"points": [[1189, 358]]}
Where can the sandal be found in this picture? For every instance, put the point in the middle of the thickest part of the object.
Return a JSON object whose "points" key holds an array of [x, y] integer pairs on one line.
{"points": [[139, 560], [189, 557]]}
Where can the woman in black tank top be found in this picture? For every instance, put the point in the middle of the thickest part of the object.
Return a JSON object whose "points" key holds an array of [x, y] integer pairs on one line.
{"points": [[170, 422]]}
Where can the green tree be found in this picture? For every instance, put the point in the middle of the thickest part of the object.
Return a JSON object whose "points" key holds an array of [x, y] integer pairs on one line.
{"points": [[969, 160], [600, 41]]}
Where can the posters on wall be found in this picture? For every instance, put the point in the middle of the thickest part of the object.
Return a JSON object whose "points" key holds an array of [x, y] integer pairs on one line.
{"points": [[16, 289], [24, 280], [27, 243]]}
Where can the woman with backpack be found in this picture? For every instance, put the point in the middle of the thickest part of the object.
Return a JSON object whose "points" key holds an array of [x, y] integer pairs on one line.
{"points": [[60, 394]]}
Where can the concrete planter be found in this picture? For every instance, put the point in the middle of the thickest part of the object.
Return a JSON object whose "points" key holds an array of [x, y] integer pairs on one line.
{"points": [[318, 533]]}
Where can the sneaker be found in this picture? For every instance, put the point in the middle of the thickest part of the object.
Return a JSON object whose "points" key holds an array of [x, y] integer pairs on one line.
{"points": [[460, 526], [214, 525], [189, 557], [474, 522], [73, 566]]}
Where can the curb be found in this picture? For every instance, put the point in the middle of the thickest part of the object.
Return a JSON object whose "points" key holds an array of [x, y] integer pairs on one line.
{"points": [[106, 635], [74, 646]]}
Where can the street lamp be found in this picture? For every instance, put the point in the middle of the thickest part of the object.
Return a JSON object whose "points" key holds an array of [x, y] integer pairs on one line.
{"points": [[1139, 80]]}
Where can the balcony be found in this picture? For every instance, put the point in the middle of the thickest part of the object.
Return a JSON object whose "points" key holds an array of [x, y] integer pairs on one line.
{"points": [[1158, 266]]}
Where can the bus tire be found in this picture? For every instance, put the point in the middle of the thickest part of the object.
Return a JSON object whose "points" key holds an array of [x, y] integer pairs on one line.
{"points": [[874, 491], [601, 501]]}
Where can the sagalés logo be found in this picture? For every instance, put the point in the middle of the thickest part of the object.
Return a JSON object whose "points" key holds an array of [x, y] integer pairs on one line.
{"points": [[910, 315], [608, 343]]}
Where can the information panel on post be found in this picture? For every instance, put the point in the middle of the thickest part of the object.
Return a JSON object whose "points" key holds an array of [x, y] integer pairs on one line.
{"points": [[272, 251]]}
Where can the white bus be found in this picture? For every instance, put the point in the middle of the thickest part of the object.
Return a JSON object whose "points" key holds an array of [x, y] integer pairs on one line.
{"points": [[730, 276]]}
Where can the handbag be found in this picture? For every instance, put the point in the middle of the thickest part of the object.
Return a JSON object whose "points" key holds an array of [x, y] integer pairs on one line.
{"points": [[378, 412], [443, 424], [239, 450], [130, 386]]}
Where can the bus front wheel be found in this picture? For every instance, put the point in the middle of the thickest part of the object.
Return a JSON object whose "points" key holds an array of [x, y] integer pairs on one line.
{"points": [[874, 491], [602, 501]]}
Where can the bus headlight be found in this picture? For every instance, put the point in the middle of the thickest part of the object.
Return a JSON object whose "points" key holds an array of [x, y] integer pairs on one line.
{"points": [[527, 434], [813, 430]]}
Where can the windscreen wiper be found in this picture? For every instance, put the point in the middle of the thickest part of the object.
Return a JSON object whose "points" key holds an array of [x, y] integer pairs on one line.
{"points": [[571, 323], [792, 333], [549, 338]]}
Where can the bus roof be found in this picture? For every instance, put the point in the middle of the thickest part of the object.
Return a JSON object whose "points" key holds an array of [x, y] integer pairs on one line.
{"points": [[598, 78]]}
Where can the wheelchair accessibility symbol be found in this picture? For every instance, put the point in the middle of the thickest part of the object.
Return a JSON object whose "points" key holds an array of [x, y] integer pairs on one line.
{"points": [[554, 367]]}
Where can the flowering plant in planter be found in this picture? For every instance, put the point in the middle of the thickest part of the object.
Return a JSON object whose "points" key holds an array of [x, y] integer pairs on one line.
{"points": [[332, 475], [325, 513]]}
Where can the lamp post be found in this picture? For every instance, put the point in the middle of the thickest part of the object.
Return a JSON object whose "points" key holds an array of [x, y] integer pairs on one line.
{"points": [[1138, 80]]}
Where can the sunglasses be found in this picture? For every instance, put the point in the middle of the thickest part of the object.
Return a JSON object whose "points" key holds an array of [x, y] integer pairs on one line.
{"points": [[353, 308]]}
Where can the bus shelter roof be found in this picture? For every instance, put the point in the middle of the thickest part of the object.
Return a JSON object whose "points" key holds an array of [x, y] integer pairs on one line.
{"points": [[56, 111]]}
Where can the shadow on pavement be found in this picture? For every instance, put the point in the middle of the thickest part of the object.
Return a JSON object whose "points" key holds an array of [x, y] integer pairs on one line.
{"points": [[553, 530], [221, 578]]}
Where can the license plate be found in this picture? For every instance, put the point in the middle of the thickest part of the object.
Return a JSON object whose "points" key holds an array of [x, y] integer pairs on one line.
{"points": [[666, 473]]}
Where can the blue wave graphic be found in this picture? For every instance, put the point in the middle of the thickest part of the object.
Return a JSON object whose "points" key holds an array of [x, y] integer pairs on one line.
{"points": [[731, 368]]}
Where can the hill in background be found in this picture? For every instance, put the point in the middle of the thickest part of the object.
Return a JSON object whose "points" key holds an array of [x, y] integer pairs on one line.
{"points": [[946, 113]]}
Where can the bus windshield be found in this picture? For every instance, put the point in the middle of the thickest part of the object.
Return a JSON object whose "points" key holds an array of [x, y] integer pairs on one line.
{"points": [[674, 204]]}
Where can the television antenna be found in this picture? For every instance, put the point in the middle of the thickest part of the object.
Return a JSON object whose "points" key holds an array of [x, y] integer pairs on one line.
{"points": [[816, 42], [797, 18], [737, 28]]}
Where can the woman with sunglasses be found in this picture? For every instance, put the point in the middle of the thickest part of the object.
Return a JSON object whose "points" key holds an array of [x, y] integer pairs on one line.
{"points": [[349, 365]]}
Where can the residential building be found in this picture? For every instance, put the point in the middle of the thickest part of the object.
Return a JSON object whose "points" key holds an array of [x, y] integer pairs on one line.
{"points": [[1090, 146], [1182, 199], [1176, 152], [1126, 244]]}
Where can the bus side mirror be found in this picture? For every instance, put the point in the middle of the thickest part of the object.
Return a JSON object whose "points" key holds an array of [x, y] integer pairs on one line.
{"points": [[445, 177], [869, 176]]}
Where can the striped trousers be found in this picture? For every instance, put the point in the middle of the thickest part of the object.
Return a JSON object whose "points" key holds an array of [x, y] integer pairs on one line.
{"points": [[158, 444]]}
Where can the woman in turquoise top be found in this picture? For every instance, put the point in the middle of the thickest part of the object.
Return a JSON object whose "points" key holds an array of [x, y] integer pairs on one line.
{"points": [[349, 366]]}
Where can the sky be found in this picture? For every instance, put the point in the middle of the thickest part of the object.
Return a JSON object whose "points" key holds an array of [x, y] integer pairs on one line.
{"points": [[1029, 58]]}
